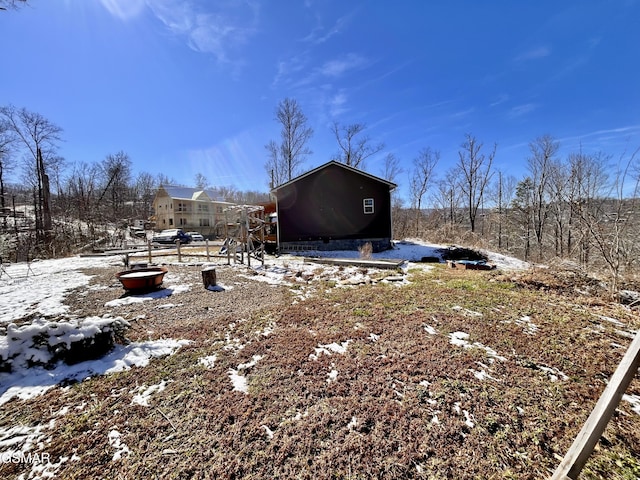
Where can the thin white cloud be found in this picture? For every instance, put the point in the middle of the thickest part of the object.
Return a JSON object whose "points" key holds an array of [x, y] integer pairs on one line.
{"points": [[520, 110], [124, 9], [338, 67], [218, 32], [297, 73], [461, 114], [290, 67], [533, 54], [502, 98], [337, 104], [620, 135], [320, 35]]}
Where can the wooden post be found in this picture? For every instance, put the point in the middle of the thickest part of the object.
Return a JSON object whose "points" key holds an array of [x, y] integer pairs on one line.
{"points": [[179, 253], [246, 234], [591, 432], [149, 248], [209, 277], [206, 242]]}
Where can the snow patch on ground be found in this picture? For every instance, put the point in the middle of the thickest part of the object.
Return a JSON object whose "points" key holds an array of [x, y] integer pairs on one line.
{"points": [[340, 348], [209, 361], [145, 297], [47, 283], [239, 380], [634, 400], [143, 397], [25, 383], [121, 448]]}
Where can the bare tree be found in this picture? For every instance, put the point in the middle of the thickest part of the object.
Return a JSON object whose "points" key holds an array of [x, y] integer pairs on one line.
{"points": [[82, 190], [40, 137], [559, 208], [610, 223], [355, 147], [391, 167], [145, 189], [588, 180], [420, 178], [447, 197], [12, 4], [476, 172], [286, 158], [229, 193], [6, 165], [200, 181], [116, 169], [540, 165], [522, 204], [502, 195], [162, 179]]}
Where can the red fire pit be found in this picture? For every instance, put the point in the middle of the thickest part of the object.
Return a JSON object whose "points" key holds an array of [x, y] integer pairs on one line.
{"points": [[142, 278]]}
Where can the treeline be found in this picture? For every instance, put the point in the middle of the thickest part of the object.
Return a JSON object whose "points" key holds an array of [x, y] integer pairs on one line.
{"points": [[580, 208]]}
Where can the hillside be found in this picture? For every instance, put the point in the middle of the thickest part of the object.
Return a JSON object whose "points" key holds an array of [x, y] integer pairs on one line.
{"points": [[312, 371]]}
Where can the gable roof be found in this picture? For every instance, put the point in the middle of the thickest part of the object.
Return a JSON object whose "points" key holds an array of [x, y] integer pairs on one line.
{"points": [[190, 193], [339, 164]]}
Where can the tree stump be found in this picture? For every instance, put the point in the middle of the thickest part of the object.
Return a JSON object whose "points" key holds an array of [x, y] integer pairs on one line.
{"points": [[209, 277]]}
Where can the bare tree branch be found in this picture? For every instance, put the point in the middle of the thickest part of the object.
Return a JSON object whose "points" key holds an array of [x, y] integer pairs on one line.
{"points": [[355, 148], [12, 4], [476, 173], [286, 158]]}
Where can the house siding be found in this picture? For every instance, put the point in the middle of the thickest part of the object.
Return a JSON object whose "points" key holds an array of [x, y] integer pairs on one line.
{"points": [[325, 211]]}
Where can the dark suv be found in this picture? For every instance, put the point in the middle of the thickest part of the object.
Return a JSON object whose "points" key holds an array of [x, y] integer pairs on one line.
{"points": [[171, 236]]}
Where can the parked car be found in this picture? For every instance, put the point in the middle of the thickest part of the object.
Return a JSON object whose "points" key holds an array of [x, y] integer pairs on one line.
{"points": [[196, 237], [171, 236], [137, 232]]}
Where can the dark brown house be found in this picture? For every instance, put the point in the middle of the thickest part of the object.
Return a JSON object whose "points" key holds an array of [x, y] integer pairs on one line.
{"points": [[334, 207]]}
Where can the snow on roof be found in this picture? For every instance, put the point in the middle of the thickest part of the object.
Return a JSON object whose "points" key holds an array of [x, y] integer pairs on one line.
{"points": [[189, 193]]}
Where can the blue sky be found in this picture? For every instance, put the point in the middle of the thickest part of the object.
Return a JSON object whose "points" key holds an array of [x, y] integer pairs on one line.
{"points": [[188, 86]]}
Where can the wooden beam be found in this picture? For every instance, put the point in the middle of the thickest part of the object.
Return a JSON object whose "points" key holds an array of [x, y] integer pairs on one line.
{"points": [[583, 445], [381, 263]]}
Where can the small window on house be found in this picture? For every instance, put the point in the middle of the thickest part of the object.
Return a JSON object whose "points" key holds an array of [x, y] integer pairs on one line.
{"points": [[171, 221], [368, 205]]}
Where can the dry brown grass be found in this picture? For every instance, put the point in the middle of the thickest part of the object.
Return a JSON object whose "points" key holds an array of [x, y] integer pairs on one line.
{"points": [[377, 418]]}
